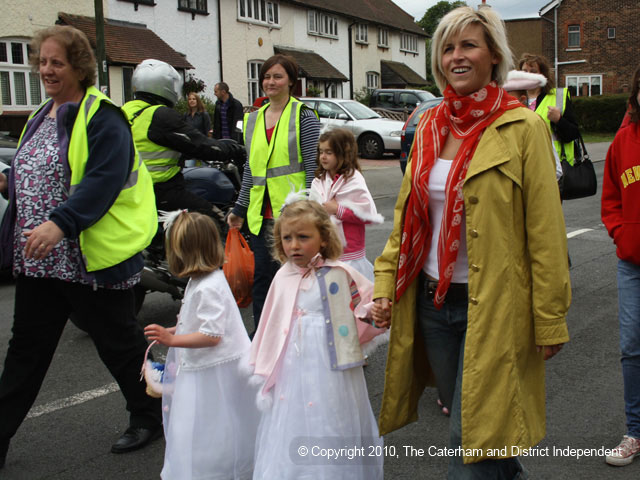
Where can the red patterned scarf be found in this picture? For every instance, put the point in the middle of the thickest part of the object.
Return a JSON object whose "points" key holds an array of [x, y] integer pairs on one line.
{"points": [[466, 117]]}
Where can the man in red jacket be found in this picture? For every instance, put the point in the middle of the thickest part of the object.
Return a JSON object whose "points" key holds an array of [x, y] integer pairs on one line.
{"points": [[621, 216]]}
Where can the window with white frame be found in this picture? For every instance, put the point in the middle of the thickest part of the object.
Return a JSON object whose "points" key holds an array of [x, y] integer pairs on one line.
{"points": [[409, 43], [253, 81], [584, 85], [573, 40], [611, 33], [20, 88], [362, 33], [321, 24], [373, 80], [259, 11], [383, 37]]}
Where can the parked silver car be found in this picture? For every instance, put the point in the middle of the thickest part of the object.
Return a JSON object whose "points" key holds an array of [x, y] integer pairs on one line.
{"points": [[375, 135]]}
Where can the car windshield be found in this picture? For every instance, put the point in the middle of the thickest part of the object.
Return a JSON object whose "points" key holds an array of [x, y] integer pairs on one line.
{"points": [[420, 109], [358, 110], [425, 96]]}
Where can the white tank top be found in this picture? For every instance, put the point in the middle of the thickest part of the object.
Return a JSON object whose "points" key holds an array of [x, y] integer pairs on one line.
{"points": [[437, 182]]}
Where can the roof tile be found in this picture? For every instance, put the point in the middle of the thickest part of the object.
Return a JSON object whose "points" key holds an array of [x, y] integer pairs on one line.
{"points": [[127, 44]]}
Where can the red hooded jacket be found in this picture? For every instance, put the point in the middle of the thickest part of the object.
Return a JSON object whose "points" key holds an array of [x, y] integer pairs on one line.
{"points": [[621, 193]]}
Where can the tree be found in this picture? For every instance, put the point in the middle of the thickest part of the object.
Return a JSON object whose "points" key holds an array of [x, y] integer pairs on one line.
{"points": [[433, 15], [429, 22]]}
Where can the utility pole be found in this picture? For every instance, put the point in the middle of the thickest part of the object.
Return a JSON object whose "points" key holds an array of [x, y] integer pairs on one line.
{"points": [[101, 56]]}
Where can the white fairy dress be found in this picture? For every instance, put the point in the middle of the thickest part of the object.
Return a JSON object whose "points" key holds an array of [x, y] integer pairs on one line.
{"points": [[209, 410], [316, 408]]}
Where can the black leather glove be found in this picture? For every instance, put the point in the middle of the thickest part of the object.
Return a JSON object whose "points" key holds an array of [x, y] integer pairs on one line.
{"points": [[232, 151]]}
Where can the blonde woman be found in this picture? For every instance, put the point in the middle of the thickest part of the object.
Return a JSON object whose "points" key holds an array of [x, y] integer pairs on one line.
{"points": [[474, 279]]}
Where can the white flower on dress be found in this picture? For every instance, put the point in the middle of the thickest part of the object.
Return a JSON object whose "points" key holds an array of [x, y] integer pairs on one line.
{"points": [[477, 113], [457, 104], [455, 221], [455, 245]]}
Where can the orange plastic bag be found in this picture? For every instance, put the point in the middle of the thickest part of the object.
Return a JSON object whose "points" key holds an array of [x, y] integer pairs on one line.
{"points": [[238, 267]]}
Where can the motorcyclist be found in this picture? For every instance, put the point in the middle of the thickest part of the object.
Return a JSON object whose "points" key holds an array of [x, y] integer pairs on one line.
{"points": [[162, 137]]}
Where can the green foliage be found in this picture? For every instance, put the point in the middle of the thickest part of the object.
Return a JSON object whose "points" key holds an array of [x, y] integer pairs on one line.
{"points": [[363, 96], [313, 91], [433, 15], [192, 84], [602, 113], [429, 22], [210, 106]]}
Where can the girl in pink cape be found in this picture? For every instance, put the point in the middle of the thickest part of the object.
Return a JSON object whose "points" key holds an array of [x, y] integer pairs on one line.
{"points": [[342, 190], [308, 355]]}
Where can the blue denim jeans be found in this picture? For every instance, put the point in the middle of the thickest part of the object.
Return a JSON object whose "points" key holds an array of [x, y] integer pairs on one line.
{"points": [[444, 333], [265, 267], [629, 317]]}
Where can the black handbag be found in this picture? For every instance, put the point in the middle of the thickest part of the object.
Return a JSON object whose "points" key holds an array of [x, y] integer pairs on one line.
{"points": [[578, 180]]}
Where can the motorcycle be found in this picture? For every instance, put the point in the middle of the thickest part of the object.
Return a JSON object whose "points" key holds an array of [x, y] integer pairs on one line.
{"points": [[217, 182]]}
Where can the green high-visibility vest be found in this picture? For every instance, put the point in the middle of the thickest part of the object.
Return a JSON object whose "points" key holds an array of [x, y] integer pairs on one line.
{"points": [[276, 166], [162, 162], [557, 97], [129, 225]]}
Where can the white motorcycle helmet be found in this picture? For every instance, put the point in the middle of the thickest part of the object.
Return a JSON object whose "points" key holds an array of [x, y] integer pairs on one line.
{"points": [[158, 78]]}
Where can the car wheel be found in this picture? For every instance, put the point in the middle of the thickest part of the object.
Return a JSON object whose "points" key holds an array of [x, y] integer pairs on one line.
{"points": [[370, 146], [139, 293]]}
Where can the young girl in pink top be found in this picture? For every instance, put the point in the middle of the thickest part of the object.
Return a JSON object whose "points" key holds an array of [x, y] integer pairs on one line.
{"points": [[341, 189]]}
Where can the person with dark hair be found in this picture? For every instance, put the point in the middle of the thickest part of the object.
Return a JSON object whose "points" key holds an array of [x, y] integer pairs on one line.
{"points": [[545, 100], [621, 216], [342, 190], [81, 209], [196, 115], [281, 140], [227, 115], [474, 280]]}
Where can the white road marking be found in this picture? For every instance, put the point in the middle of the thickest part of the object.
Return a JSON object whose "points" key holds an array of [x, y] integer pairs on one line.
{"points": [[575, 233], [76, 399]]}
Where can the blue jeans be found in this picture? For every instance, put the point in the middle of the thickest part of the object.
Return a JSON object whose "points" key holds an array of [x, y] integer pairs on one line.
{"points": [[444, 333], [265, 267], [629, 316]]}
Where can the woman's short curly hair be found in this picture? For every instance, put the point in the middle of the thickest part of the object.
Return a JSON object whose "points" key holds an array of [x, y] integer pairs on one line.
{"points": [[320, 218], [76, 45], [494, 32]]}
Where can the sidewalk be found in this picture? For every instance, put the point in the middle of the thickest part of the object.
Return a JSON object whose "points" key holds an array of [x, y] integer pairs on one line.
{"points": [[597, 151]]}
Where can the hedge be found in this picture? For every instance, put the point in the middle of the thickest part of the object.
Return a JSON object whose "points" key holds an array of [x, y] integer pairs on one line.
{"points": [[600, 114]]}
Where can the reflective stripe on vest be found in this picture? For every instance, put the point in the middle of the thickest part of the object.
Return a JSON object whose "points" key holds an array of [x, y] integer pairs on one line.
{"points": [[130, 223], [277, 164], [162, 162], [557, 97]]}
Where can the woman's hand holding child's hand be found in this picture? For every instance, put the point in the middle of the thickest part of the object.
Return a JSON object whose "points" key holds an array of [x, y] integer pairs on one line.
{"points": [[381, 312], [160, 334]]}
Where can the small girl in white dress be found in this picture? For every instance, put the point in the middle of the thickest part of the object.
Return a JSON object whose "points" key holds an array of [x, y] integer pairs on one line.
{"points": [[307, 353], [209, 413]]}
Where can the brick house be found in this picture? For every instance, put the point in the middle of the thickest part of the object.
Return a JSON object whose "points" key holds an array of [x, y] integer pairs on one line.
{"points": [[597, 44]]}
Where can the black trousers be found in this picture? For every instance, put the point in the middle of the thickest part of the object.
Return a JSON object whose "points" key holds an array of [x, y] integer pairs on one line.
{"points": [[42, 307], [173, 195]]}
